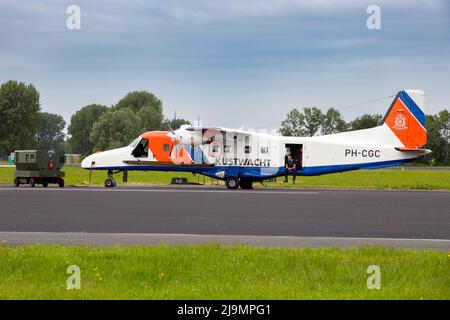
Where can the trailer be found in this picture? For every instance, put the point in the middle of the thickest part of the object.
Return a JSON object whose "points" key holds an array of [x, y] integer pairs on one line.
{"points": [[39, 167]]}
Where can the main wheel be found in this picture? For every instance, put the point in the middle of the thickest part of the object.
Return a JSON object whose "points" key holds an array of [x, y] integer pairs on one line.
{"points": [[110, 183], [246, 184], [32, 182], [61, 182], [17, 182], [232, 183]]}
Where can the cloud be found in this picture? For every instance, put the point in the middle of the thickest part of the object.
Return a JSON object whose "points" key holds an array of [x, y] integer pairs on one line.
{"points": [[219, 58], [210, 11]]}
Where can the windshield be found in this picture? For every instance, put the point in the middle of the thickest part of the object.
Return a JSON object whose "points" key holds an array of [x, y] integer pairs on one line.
{"points": [[135, 142]]}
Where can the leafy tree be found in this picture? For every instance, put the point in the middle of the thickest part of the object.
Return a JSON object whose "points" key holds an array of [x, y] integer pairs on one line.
{"points": [[434, 139], [137, 99], [333, 122], [366, 121], [19, 107], [443, 119], [313, 120], [294, 125], [50, 135], [174, 124], [150, 118], [146, 105], [80, 128], [115, 129]]}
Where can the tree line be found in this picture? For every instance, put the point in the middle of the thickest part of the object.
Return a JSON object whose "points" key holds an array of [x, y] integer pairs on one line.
{"points": [[97, 127], [92, 128], [311, 121]]}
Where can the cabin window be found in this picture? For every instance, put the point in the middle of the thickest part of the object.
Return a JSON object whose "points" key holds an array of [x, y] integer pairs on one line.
{"points": [[141, 149], [215, 148], [264, 149], [226, 149], [166, 147], [27, 157], [248, 149], [31, 156]]}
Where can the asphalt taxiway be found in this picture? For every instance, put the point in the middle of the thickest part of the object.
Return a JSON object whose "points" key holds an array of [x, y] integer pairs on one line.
{"points": [[264, 216]]}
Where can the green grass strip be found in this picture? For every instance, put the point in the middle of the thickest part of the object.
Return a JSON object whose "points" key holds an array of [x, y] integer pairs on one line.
{"points": [[361, 179], [221, 272]]}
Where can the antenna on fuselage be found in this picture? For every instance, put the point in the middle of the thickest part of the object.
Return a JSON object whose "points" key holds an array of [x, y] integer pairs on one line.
{"points": [[173, 123]]}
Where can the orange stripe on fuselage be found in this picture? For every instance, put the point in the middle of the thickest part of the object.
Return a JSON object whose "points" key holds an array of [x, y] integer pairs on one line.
{"points": [[405, 126]]}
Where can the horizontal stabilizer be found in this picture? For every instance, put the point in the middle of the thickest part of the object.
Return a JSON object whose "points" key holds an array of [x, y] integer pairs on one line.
{"points": [[413, 150]]}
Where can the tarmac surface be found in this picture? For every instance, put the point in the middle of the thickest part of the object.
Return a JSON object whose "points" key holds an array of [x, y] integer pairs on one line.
{"points": [[230, 216]]}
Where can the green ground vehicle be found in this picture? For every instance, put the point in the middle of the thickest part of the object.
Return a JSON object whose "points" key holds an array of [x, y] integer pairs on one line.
{"points": [[38, 167]]}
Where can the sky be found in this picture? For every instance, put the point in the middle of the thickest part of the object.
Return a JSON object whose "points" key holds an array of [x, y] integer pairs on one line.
{"points": [[229, 62]]}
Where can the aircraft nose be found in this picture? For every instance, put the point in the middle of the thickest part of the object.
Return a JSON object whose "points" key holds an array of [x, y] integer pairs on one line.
{"points": [[87, 162]]}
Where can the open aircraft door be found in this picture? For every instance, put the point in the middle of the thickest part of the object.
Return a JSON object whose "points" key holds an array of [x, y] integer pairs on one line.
{"points": [[296, 150]]}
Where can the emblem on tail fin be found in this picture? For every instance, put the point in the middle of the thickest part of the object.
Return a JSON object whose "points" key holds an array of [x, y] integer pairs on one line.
{"points": [[400, 122]]}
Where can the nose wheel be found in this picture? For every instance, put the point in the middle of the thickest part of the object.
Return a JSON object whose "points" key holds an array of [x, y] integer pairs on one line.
{"points": [[110, 182]]}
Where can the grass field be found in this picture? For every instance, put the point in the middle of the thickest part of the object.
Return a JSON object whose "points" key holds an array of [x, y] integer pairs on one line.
{"points": [[220, 272], [374, 179], [368, 179]]}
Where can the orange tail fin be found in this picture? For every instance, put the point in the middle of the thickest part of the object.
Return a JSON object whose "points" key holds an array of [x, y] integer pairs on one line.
{"points": [[406, 118]]}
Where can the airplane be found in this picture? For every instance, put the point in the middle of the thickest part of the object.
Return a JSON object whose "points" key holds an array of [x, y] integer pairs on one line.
{"points": [[241, 157]]}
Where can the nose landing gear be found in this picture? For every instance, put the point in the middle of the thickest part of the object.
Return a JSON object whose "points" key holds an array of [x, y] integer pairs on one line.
{"points": [[110, 182]]}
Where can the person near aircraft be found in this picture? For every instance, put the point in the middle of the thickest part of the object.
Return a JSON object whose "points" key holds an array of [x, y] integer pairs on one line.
{"points": [[290, 167]]}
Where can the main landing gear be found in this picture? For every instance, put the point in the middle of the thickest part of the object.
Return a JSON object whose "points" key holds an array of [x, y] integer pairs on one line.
{"points": [[246, 184], [234, 183], [110, 182]]}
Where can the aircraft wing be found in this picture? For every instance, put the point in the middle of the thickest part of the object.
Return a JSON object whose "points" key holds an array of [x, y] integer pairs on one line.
{"points": [[166, 163], [221, 129]]}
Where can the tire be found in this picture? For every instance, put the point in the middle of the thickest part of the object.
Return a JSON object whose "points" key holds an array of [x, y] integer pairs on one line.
{"points": [[110, 183], [246, 184], [232, 183], [45, 184], [17, 182], [61, 182], [32, 182]]}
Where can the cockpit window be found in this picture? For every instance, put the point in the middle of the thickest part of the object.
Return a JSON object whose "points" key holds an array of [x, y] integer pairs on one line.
{"points": [[135, 142], [141, 149]]}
